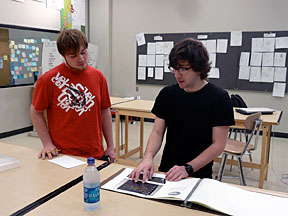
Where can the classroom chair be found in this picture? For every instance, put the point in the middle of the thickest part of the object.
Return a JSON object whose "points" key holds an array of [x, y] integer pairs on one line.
{"points": [[237, 148]]}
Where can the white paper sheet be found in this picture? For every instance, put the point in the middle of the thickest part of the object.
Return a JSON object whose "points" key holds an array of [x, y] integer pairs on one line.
{"points": [[255, 74], [151, 60], [166, 64], [236, 38], [67, 161], [214, 73], [267, 74], [140, 38], [142, 60], [244, 58], [141, 73], [222, 45], [212, 59], [279, 89], [280, 74], [269, 44], [211, 46], [281, 42], [268, 59], [257, 45], [280, 59], [256, 59], [158, 73], [159, 47], [168, 45], [159, 60], [151, 48], [150, 72], [244, 72]]}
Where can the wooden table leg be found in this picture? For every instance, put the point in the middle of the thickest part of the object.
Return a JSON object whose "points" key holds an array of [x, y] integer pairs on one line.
{"points": [[268, 151], [117, 134], [126, 134], [141, 136], [263, 157]]}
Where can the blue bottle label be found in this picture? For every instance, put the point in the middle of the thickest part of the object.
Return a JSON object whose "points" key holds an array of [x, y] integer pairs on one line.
{"points": [[91, 195]]}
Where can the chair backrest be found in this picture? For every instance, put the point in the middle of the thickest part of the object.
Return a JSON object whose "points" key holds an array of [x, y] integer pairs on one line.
{"points": [[237, 101], [254, 124]]}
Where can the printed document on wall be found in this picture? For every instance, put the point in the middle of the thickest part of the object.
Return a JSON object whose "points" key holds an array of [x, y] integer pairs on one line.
{"points": [[244, 72], [151, 48], [93, 54], [279, 89], [257, 45], [222, 45], [244, 58], [214, 73], [78, 15], [150, 72], [281, 42], [268, 44], [267, 59], [236, 38], [158, 73], [141, 73], [267, 74], [255, 74], [140, 38], [280, 59], [50, 56], [256, 59], [280, 74]]}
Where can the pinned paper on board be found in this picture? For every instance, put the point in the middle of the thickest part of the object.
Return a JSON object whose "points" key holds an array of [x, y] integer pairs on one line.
{"points": [[236, 38], [279, 89], [140, 38]]}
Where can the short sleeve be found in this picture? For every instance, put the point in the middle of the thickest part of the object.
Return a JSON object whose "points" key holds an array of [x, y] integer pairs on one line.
{"points": [[105, 98], [160, 106], [42, 94], [223, 114]]}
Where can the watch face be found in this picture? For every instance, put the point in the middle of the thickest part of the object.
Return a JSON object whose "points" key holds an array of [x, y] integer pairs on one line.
{"points": [[189, 169]]}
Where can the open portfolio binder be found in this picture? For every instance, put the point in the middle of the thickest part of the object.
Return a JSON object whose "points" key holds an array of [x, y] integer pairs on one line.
{"points": [[209, 193]]}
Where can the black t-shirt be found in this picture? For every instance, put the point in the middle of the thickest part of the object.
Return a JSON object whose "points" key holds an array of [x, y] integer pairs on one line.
{"points": [[189, 119]]}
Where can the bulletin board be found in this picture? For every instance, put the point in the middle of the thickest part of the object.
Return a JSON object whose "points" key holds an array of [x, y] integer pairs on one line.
{"points": [[21, 53], [227, 63]]}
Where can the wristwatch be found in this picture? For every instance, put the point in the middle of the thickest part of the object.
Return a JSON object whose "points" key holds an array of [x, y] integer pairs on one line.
{"points": [[189, 169]]}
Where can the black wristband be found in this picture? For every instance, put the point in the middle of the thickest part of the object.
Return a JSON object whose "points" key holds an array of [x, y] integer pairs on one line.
{"points": [[189, 169]]}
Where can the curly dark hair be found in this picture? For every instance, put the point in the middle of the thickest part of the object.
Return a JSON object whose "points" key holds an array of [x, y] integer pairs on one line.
{"points": [[194, 52], [69, 41]]}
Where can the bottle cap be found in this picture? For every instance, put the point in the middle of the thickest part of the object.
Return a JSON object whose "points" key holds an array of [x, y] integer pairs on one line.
{"points": [[91, 160]]}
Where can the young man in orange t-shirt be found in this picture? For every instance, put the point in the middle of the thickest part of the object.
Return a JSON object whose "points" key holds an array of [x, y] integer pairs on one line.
{"points": [[77, 101]]}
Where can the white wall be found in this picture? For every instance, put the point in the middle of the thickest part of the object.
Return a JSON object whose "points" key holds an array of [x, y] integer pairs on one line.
{"points": [[15, 102], [100, 34], [177, 16]]}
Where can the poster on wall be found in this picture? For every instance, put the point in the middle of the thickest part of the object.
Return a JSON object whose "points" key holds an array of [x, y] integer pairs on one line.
{"points": [[78, 14], [54, 4], [66, 15]]}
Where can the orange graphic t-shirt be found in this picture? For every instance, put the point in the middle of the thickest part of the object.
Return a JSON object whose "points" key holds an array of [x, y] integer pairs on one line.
{"points": [[74, 100]]}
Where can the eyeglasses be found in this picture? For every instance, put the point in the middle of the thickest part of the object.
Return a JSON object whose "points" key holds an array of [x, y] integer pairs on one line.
{"points": [[181, 70]]}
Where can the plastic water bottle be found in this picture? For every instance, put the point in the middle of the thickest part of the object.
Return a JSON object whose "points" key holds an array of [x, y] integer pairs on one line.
{"points": [[91, 183]]}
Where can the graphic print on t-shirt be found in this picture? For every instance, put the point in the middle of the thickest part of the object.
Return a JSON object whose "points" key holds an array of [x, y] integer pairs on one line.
{"points": [[73, 96]]}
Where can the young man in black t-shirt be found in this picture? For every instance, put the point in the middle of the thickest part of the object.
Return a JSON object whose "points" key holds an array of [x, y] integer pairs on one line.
{"points": [[196, 114]]}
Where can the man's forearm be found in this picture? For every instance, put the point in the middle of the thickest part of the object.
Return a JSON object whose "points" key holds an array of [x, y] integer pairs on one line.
{"points": [[40, 125], [107, 128]]}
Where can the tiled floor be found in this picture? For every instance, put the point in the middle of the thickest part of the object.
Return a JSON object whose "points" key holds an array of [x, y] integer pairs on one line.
{"points": [[278, 163]]}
